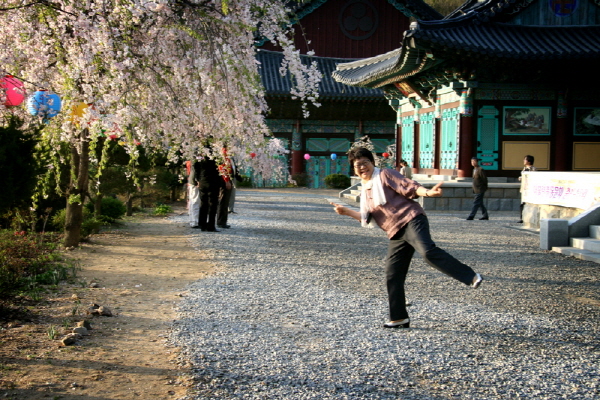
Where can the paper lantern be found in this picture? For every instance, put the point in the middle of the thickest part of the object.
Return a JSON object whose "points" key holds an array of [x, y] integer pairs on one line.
{"points": [[307, 156], [77, 112], [44, 104], [385, 155], [15, 90], [252, 155], [333, 156]]}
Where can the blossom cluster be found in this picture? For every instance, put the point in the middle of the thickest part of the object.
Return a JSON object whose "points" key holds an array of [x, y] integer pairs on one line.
{"points": [[171, 75]]}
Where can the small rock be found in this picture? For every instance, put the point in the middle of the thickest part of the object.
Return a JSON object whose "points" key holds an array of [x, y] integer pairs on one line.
{"points": [[85, 323], [74, 296], [70, 339], [105, 311], [81, 330], [94, 285]]}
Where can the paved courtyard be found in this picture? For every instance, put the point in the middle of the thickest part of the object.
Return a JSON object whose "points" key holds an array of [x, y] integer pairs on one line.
{"points": [[295, 311]]}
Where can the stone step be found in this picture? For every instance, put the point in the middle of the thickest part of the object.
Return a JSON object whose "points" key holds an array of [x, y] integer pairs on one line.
{"points": [[581, 254], [352, 197], [595, 231], [587, 243]]}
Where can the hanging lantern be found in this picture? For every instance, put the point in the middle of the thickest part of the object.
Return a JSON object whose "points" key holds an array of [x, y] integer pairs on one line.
{"points": [[307, 156], [44, 104], [15, 90], [386, 155], [333, 156], [252, 155], [77, 112]]}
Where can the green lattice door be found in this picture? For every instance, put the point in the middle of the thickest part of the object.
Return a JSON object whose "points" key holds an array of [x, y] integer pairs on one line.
{"points": [[449, 139], [426, 140], [487, 137], [318, 168], [408, 140]]}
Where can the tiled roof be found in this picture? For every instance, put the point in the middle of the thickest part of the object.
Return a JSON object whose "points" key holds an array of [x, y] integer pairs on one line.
{"points": [[517, 42], [433, 42], [417, 9], [276, 85]]}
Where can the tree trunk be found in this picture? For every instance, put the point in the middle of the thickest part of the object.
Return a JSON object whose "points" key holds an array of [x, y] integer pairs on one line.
{"points": [[129, 205], [80, 162]]}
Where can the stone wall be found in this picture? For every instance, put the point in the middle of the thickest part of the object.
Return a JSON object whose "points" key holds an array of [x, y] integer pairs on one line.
{"points": [[458, 196]]}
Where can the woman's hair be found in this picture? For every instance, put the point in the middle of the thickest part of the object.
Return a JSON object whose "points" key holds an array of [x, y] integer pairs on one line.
{"points": [[529, 159], [359, 152], [403, 162]]}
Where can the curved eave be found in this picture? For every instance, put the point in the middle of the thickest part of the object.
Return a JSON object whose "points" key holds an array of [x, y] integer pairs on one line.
{"points": [[385, 69]]}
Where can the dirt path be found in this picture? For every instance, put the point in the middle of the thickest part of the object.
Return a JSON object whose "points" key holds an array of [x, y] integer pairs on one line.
{"points": [[142, 270]]}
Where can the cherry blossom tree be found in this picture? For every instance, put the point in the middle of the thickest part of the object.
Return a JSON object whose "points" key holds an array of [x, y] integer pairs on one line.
{"points": [[168, 75]]}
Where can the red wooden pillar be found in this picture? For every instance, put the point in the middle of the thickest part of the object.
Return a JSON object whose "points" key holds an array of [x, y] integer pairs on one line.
{"points": [[467, 141], [398, 154], [437, 146]]}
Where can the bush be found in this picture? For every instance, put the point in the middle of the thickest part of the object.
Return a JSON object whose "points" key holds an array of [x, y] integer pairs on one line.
{"points": [[301, 179], [27, 261], [90, 224], [246, 181], [162, 209], [111, 209], [337, 181]]}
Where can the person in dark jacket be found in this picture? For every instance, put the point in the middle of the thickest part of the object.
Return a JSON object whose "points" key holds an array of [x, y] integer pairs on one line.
{"points": [[480, 185], [209, 182]]}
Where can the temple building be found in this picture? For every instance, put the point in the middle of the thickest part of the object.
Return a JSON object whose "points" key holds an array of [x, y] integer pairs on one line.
{"points": [[495, 79], [338, 31]]}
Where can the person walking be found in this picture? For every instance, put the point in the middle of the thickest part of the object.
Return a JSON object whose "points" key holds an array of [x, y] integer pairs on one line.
{"points": [[387, 201], [527, 167], [480, 185]]}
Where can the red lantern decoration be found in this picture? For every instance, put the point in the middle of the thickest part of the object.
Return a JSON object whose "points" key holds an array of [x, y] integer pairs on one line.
{"points": [[386, 155], [252, 155], [15, 90]]}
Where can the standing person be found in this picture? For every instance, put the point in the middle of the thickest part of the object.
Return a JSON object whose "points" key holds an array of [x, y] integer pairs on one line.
{"points": [[209, 183], [227, 173], [527, 167], [236, 176], [193, 195], [480, 185], [386, 199], [405, 169]]}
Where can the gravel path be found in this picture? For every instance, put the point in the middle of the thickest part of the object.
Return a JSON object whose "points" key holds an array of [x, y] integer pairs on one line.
{"points": [[296, 311]]}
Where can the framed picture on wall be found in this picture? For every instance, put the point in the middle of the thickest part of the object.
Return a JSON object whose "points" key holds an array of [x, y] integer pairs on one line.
{"points": [[522, 120], [586, 121]]}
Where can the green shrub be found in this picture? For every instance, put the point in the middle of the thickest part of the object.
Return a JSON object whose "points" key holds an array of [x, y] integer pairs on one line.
{"points": [[162, 209], [89, 225], [337, 181], [111, 209], [301, 179], [28, 260], [246, 181]]}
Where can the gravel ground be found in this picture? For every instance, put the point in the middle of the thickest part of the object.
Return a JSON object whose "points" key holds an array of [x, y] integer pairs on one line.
{"points": [[295, 311]]}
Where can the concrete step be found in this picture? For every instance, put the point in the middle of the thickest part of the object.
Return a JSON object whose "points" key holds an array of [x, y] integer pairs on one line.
{"points": [[595, 231], [352, 197], [581, 254], [587, 243]]}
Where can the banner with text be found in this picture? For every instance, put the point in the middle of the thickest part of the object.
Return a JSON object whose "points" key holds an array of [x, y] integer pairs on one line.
{"points": [[568, 189]]}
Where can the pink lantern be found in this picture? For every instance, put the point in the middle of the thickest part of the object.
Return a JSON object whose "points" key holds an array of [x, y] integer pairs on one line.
{"points": [[252, 155], [15, 90], [307, 156], [386, 155]]}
